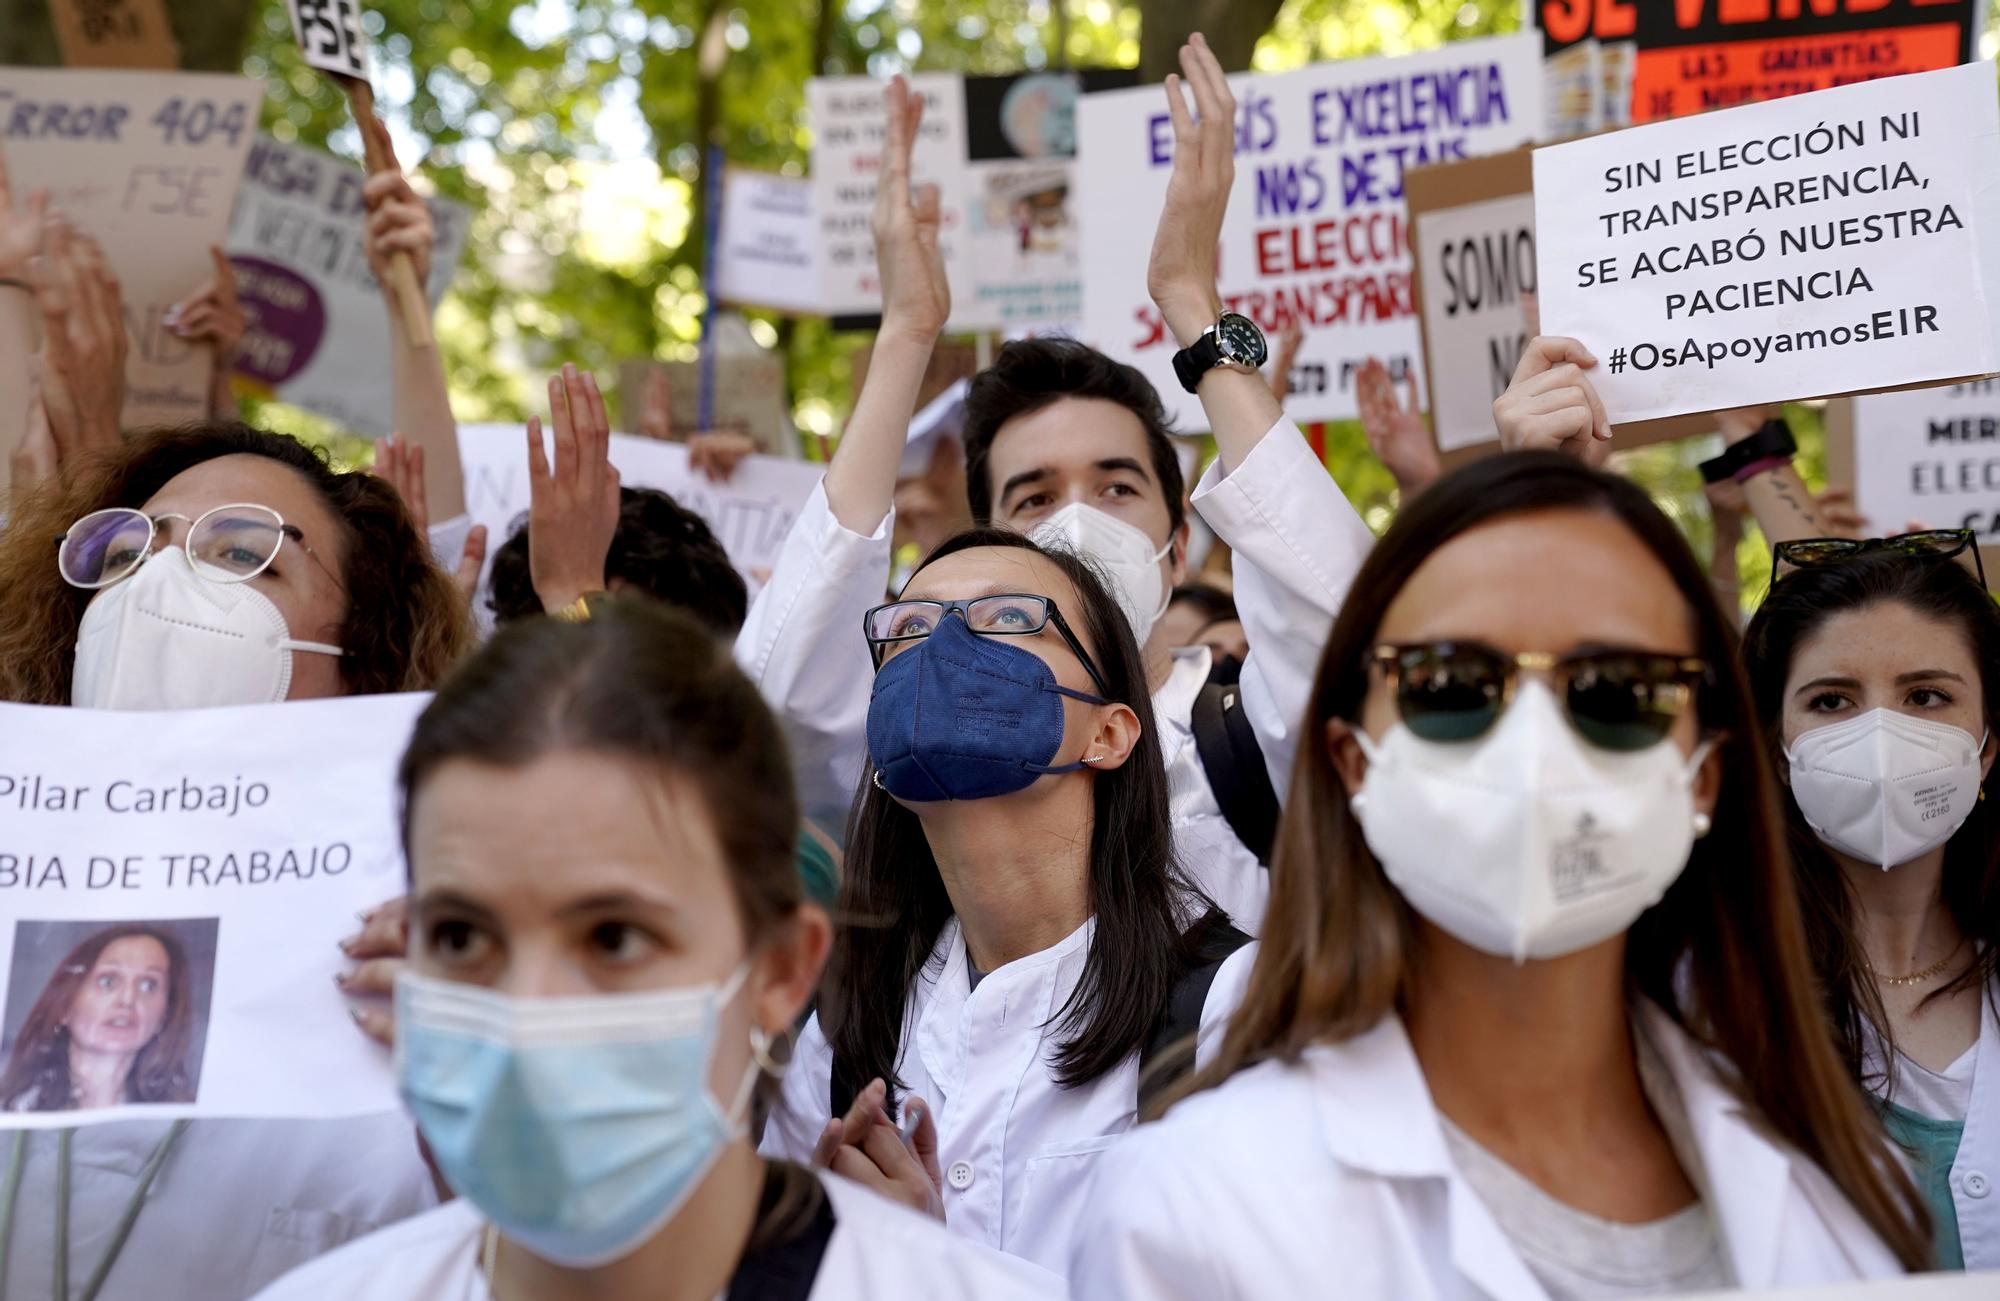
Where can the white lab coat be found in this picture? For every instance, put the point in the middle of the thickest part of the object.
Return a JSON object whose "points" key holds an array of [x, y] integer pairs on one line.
{"points": [[1017, 1149], [238, 1202], [878, 1252], [1291, 1176], [1975, 1171]]}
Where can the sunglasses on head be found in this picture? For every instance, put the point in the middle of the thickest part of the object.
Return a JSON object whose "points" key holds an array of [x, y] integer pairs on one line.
{"points": [[1931, 544], [1622, 700]]}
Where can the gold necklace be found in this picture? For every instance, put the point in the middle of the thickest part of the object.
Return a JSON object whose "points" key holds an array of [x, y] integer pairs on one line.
{"points": [[1917, 977]]}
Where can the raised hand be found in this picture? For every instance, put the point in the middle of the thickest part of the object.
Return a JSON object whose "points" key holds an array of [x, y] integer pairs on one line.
{"points": [[20, 232], [400, 463], [573, 509], [916, 294], [83, 343], [1550, 404], [656, 406], [33, 461], [714, 454], [212, 315], [1396, 430], [1181, 275]]}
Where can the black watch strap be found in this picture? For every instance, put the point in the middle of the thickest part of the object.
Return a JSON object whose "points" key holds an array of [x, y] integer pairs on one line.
{"points": [[1773, 438], [1196, 360]]}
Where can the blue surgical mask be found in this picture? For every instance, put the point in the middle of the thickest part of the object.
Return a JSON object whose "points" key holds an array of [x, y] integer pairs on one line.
{"points": [[578, 1126], [963, 717]]}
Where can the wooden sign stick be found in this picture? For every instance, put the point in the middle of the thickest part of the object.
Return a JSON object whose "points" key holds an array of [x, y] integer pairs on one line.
{"points": [[381, 157]]}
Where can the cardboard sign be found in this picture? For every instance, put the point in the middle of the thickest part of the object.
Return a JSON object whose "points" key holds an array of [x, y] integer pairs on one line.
{"points": [[1695, 55], [330, 36], [1930, 457], [1803, 247], [767, 254], [1316, 230], [318, 336], [209, 862], [749, 395], [849, 124], [114, 33], [147, 163]]}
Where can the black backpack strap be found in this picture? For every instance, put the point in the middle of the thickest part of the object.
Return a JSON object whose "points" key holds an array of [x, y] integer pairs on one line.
{"points": [[1214, 940], [1234, 763], [784, 1271]]}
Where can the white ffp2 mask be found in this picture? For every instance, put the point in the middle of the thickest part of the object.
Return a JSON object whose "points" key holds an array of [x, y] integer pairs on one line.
{"points": [[1528, 843], [166, 638], [1122, 551], [1885, 788]]}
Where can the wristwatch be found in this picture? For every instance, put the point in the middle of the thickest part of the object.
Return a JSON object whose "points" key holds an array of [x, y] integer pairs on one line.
{"points": [[1233, 341], [1772, 442]]}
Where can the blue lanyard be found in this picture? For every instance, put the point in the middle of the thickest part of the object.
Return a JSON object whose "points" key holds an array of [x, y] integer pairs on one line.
{"points": [[10, 1194]]}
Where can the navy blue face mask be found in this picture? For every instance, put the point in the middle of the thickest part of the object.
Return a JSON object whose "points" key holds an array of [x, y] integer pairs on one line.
{"points": [[964, 717]]}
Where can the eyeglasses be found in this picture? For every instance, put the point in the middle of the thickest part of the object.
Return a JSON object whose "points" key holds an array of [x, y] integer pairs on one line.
{"points": [[1615, 699], [1931, 544], [1012, 614], [229, 544]]}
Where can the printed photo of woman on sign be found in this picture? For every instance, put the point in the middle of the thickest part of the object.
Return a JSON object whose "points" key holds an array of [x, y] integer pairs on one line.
{"points": [[115, 1021]]}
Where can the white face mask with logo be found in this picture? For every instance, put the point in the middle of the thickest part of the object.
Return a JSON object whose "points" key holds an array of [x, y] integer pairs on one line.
{"points": [[1123, 552], [167, 638], [1885, 788], [1529, 842]]}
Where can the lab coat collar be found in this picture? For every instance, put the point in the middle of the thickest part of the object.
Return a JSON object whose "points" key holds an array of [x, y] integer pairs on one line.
{"points": [[1032, 996], [1173, 703]]}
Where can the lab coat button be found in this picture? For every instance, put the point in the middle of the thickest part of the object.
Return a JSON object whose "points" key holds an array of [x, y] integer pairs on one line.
{"points": [[960, 1175], [1976, 1184]]}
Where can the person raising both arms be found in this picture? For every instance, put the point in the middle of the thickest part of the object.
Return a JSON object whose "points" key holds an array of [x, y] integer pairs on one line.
{"points": [[608, 939], [1540, 1020]]}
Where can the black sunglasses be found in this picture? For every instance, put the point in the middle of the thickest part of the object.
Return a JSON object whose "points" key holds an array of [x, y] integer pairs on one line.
{"points": [[1931, 544], [1009, 614], [1615, 699]]}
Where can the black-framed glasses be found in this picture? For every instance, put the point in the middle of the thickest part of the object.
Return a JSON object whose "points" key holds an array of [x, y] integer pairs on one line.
{"points": [[1930, 544], [232, 543], [1006, 614], [1621, 700]]}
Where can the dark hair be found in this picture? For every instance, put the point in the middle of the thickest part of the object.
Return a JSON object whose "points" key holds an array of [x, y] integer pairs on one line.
{"points": [[1030, 374], [1723, 953], [1216, 605], [1797, 608], [660, 549], [896, 903], [37, 1077], [405, 626]]}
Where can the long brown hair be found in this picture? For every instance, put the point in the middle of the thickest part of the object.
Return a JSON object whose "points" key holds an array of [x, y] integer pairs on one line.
{"points": [[37, 1077], [405, 625], [1339, 940], [1798, 606]]}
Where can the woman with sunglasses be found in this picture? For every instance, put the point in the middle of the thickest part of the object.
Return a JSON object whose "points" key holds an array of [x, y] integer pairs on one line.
{"points": [[1021, 944], [1533, 1014], [1876, 669], [212, 565]]}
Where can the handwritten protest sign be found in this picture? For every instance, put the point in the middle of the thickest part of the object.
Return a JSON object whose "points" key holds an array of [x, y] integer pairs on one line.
{"points": [[330, 36], [750, 514], [219, 859], [849, 126], [1316, 229], [1929, 457], [114, 33], [148, 164], [317, 336], [768, 250], [1693, 56], [1823, 244]]}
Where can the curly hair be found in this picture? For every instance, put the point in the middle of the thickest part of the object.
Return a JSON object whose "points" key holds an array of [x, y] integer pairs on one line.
{"points": [[405, 624], [661, 548]]}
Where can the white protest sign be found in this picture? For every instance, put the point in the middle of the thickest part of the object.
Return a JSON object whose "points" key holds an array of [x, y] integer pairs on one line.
{"points": [[849, 125], [750, 514], [768, 254], [1822, 244], [318, 335], [148, 164], [1930, 456], [330, 36], [1316, 230], [1477, 261], [207, 863]]}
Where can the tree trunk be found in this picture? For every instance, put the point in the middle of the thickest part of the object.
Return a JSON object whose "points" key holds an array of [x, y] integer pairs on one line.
{"points": [[1233, 28], [211, 33]]}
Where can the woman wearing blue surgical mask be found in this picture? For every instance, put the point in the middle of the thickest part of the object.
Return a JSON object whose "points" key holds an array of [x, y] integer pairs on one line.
{"points": [[1540, 1019], [608, 941], [1023, 947], [1876, 668]]}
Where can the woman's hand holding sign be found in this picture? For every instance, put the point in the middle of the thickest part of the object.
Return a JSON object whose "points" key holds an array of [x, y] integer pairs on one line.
{"points": [[1551, 406]]}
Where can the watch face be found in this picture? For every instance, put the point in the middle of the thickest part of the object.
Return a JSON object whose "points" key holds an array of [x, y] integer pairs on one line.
{"points": [[1240, 341]]}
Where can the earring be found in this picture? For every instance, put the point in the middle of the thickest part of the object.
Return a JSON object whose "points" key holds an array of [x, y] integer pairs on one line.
{"points": [[878, 782], [1703, 824], [760, 1052], [1098, 758]]}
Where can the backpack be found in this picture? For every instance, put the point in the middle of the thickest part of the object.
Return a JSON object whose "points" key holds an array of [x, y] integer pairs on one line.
{"points": [[1234, 762]]}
